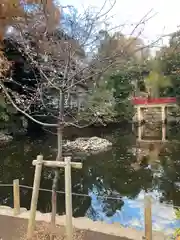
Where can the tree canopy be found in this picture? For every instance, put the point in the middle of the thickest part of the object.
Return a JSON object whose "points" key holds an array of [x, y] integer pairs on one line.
{"points": [[44, 54]]}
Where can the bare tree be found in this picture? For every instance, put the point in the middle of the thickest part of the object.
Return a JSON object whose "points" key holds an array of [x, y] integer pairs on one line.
{"points": [[63, 57]]}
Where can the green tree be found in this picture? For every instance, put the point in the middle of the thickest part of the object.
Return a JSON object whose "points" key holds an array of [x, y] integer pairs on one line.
{"points": [[169, 61], [155, 83], [122, 88], [101, 101], [111, 97], [129, 55]]}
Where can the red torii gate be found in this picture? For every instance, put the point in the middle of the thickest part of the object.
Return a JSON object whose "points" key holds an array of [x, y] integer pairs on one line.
{"points": [[141, 102]]}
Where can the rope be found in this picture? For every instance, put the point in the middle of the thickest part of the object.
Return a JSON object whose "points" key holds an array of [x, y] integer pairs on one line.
{"points": [[63, 192], [49, 190], [75, 194], [5, 185], [86, 195]]}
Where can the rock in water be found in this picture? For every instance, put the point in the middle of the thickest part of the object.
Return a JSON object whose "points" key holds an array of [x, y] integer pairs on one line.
{"points": [[93, 144]]}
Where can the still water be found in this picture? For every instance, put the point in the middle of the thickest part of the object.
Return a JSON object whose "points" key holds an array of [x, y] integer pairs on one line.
{"points": [[115, 182]]}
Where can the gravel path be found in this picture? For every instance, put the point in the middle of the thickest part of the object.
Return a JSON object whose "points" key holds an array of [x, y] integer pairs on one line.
{"points": [[12, 228]]}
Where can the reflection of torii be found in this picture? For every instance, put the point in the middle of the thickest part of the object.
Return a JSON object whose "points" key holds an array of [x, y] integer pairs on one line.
{"points": [[140, 133], [147, 151]]}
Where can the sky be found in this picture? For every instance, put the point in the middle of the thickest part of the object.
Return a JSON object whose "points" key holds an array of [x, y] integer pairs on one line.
{"points": [[132, 212], [165, 14]]}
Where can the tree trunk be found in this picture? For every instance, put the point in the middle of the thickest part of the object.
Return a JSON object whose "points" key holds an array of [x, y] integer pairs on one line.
{"points": [[58, 158]]}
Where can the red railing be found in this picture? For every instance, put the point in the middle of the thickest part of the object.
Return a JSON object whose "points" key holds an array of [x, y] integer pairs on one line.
{"points": [[143, 101]]}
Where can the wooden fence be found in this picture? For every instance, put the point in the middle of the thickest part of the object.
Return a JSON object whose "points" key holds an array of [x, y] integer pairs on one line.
{"points": [[16, 191]]}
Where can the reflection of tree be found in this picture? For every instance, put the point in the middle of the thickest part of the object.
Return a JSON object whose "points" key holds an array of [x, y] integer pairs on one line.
{"points": [[171, 174], [177, 231], [111, 205], [112, 174], [166, 173], [108, 174]]}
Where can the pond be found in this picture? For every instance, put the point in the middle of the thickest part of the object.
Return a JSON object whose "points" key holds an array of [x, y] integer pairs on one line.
{"points": [[111, 185]]}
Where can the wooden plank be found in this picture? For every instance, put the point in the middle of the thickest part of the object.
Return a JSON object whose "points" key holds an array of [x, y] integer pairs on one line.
{"points": [[151, 141], [55, 164], [68, 195], [148, 218], [16, 194], [35, 195]]}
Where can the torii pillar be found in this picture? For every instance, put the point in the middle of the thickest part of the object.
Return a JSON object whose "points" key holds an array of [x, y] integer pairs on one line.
{"points": [[163, 113]]}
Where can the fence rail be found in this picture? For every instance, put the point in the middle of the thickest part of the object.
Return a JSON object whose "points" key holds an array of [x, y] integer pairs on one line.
{"points": [[84, 194], [61, 192]]}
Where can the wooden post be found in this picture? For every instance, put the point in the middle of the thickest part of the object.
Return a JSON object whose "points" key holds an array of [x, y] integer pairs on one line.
{"points": [[148, 218], [68, 195], [139, 115], [163, 132], [163, 109], [16, 194], [34, 199]]}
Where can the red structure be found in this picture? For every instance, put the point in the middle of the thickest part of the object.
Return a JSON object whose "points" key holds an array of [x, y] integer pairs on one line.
{"points": [[153, 101]]}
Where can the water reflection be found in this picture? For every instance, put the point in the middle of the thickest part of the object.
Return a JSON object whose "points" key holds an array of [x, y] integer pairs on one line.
{"points": [[134, 167]]}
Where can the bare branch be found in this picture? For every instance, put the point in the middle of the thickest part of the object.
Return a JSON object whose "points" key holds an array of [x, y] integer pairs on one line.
{"points": [[23, 112]]}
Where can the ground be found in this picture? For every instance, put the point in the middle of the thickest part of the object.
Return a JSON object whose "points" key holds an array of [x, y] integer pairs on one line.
{"points": [[12, 228]]}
